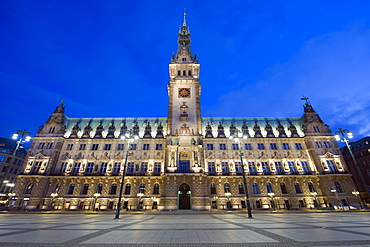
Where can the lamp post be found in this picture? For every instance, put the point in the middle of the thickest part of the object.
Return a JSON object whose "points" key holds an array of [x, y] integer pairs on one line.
{"points": [[237, 140], [21, 136], [96, 195], [140, 194], [53, 195], [356, 193], [128, 148], [315, 202], [341, 133], [228, 194], [272, 194]]}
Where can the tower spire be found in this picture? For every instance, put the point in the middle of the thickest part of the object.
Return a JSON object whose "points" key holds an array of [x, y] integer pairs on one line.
{"points": [[184, 53], [184, 23]]}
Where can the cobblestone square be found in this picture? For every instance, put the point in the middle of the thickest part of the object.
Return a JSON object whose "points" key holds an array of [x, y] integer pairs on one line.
{"points": [[185, 228]]}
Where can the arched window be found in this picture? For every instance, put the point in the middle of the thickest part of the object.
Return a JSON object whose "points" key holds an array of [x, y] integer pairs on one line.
{"points": [[184, 73], [156, 189], [283, 188], [113, 189], [297, 188], [241, 188], [189, 73], [226, 188], [212, 189], [28, 188], [84, 189], [311, 188], [255, 188], [99, 188], [269, 188], [142, 188], [179, 73], [56, 188], [338, 187], [71, 188], [128, 189]]}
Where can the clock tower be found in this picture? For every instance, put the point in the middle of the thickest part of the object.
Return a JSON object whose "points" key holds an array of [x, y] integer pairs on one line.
{"points": [[184, 119]]}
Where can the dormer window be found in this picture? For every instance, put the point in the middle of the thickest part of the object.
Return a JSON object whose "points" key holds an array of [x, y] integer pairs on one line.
{"points": [[184, 59]]}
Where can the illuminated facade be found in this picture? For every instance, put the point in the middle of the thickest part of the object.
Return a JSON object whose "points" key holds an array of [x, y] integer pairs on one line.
{"points": [[184, 161]]}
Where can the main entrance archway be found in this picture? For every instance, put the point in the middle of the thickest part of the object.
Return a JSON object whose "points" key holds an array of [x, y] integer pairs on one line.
{"points": [[184, 196]]}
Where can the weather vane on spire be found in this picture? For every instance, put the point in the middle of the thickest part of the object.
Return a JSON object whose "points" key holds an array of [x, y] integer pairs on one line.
{"points": [[306, 99]]}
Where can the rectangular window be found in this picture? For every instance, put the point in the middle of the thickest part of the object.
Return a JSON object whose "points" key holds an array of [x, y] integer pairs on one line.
{"points": [[63, 167], [144, 167], [248, 146], [211, 167], [49, 145], [120, 146], [273, 146], [76, 167], [103, 167], [260, 146], [265, 166], [252, 167], [278, 167], [69, 147], [89, 167], [145, 146], [235, 146], [298, 146], [292, 167], [305, 166], [130, 167], [238, 167], [286, 146], [209, 146], [326, 144], [117, 167], [133, 146], [157, 167], [318, 144], [158, 147], [82, 147], [331, 165], [95, 147], [41, 146], [316, 129], [222, 146], [225, 167], [107, 146], [1, 158]]}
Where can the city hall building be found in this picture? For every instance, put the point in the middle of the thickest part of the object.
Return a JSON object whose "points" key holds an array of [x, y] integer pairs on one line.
{"points": [[184, 160]]}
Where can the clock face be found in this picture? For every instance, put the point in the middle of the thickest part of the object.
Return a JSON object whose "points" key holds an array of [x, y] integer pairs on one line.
{"points": [[184, 92]]}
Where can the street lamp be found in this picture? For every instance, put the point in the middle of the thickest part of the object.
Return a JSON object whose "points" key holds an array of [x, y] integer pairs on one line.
{"points": [[341, 133], [356, 193], [315, 202], [333, 190], [272, 194], [237, 140], [96, 195], [140, 194], [130, 139], [228, 206], [21, 136], [53, 195]]}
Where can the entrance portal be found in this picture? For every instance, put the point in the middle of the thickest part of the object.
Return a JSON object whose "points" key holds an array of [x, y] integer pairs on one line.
{"points": [[184, 196]]}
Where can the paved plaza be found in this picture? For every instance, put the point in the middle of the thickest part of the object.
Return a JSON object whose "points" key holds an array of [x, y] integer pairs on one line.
{"points": [[185, 228]]}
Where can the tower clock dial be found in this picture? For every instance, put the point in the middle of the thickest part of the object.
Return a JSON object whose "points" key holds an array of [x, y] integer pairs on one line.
{"points": [[184, 92]]}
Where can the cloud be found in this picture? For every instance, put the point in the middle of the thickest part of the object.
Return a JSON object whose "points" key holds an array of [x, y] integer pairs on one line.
{"points": [[332, 69]]}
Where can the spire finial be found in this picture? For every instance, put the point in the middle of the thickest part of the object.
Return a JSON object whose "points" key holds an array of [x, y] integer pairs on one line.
{"points": [[306, 99], [61, 102], [184, 23]]}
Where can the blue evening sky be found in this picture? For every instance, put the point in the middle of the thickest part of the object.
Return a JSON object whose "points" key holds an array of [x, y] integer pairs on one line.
{"points": [[110, 59]]}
